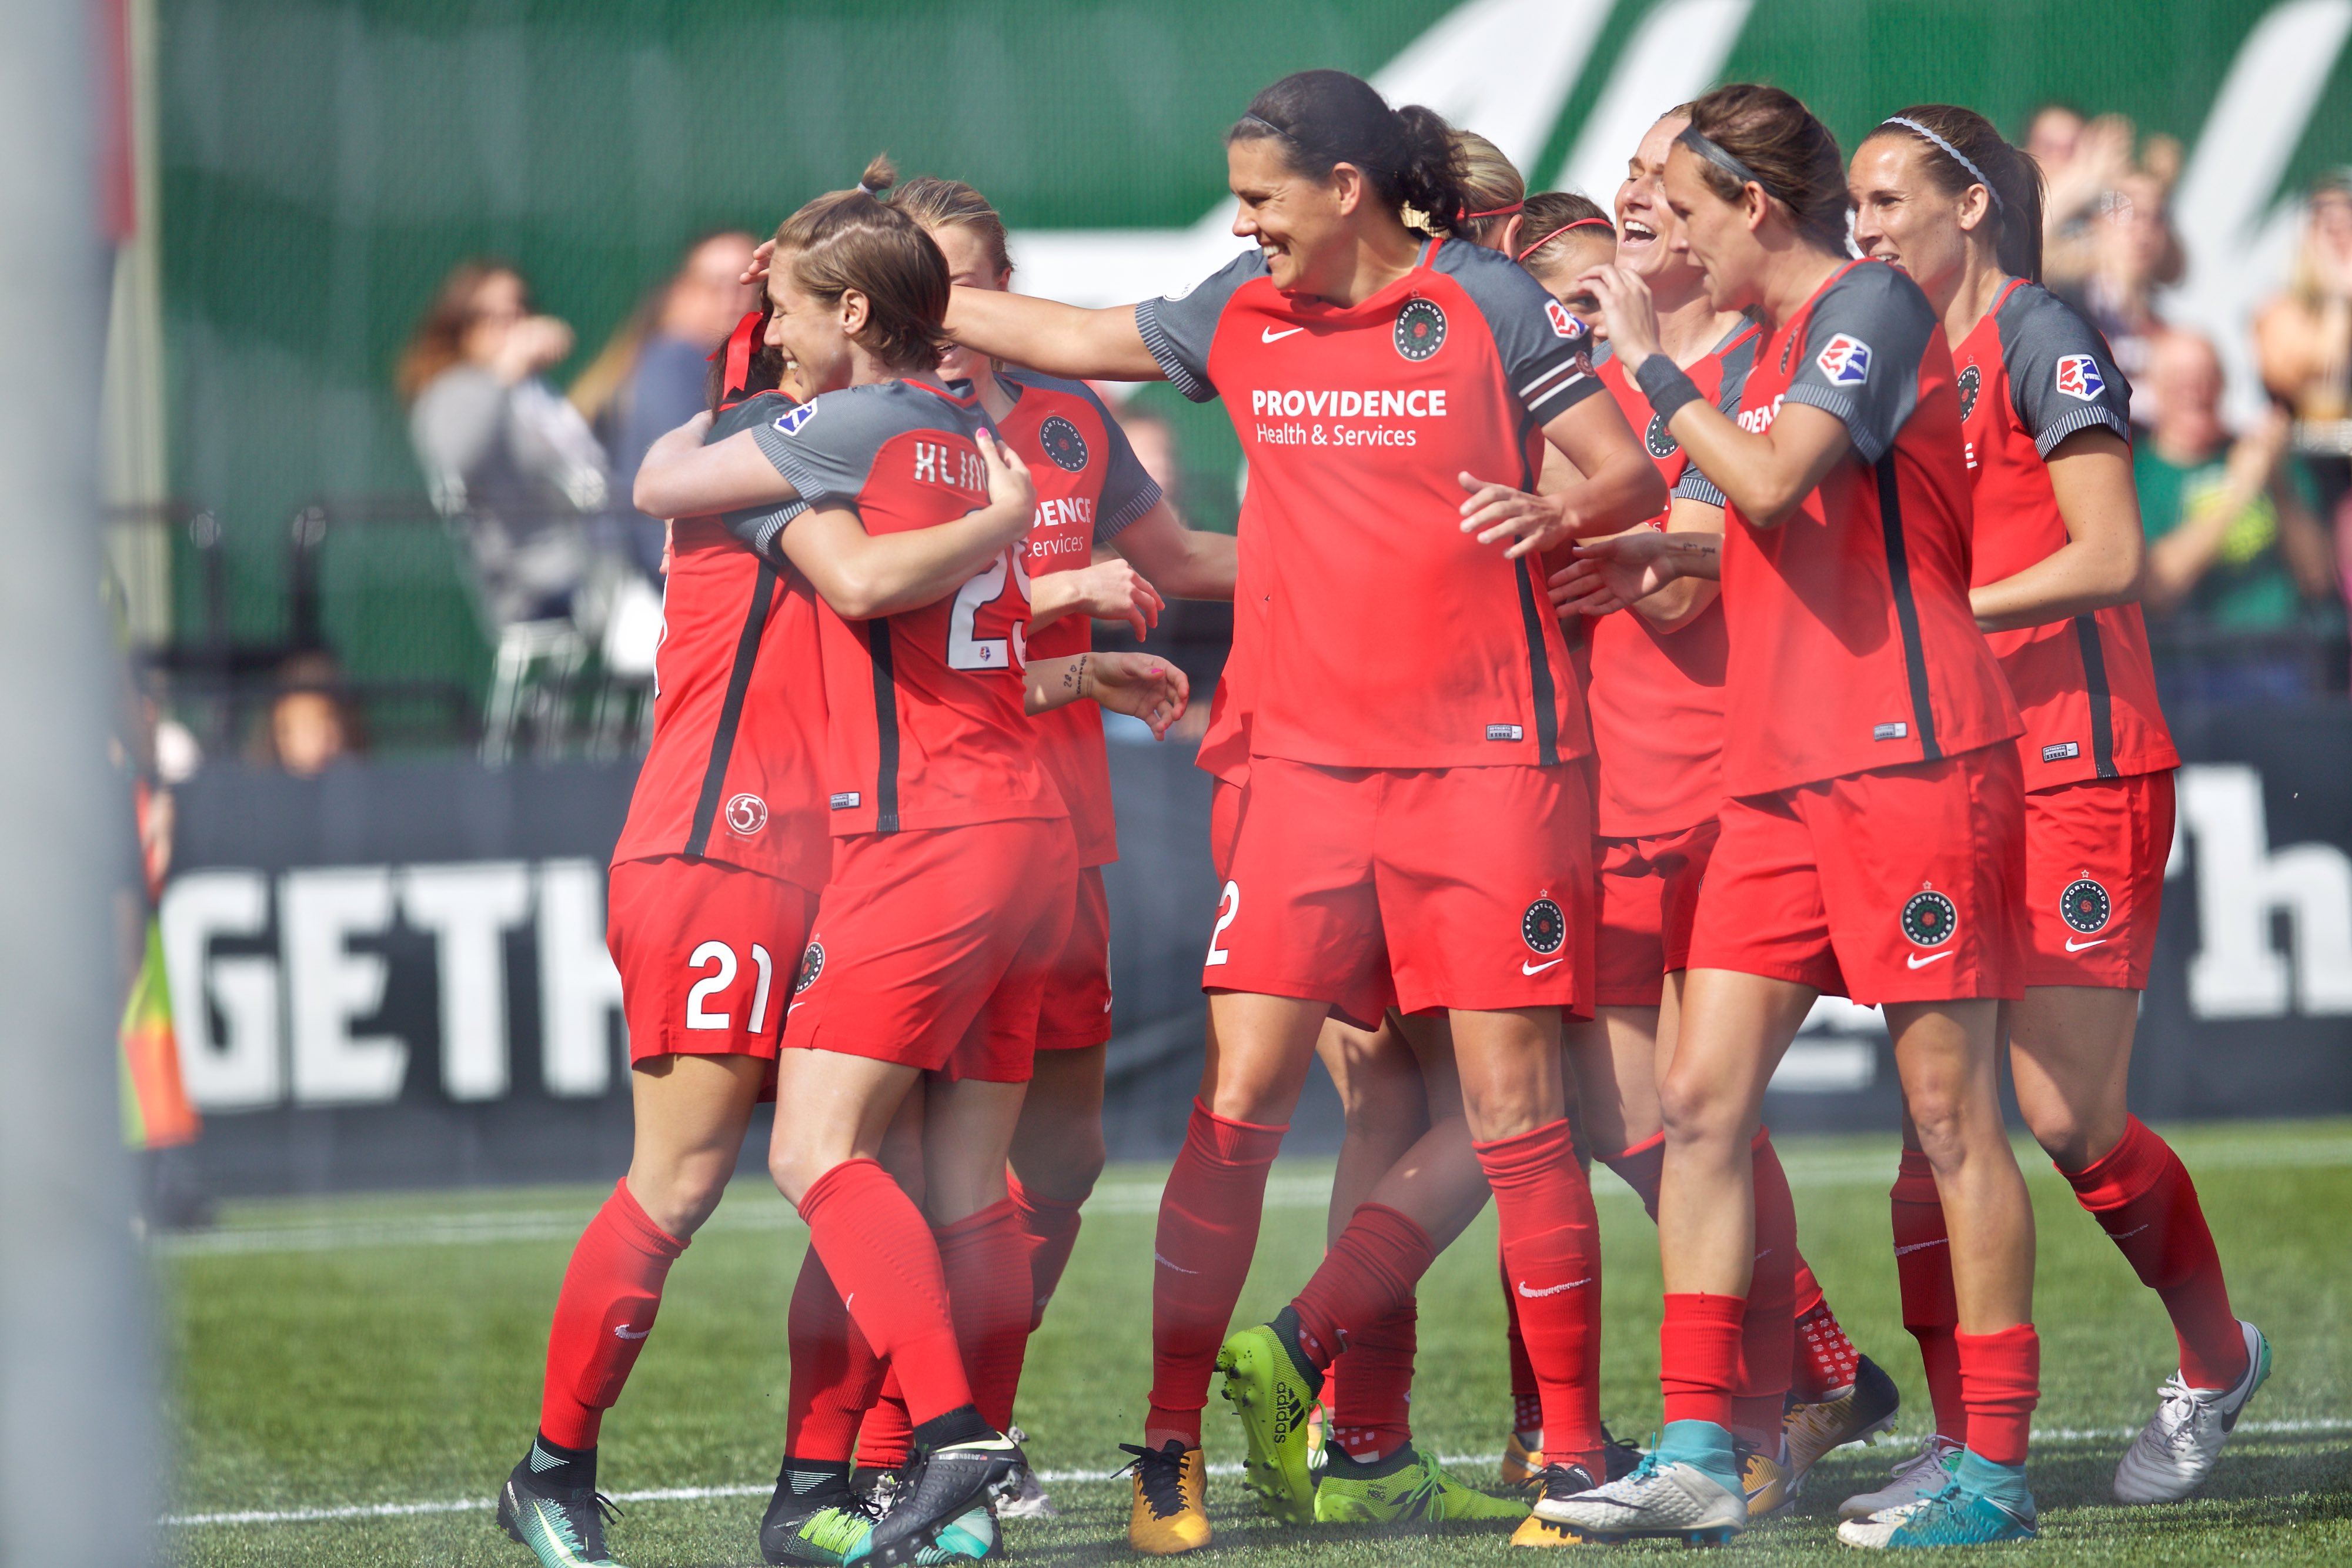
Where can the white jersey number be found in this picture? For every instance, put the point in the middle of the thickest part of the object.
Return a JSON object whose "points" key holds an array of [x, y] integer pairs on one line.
{"points": [[721, 977], [968, 650], [1229, 904]]}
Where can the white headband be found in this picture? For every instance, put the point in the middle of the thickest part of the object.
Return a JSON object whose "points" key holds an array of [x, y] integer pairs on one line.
{"points": [[1951, 152]]}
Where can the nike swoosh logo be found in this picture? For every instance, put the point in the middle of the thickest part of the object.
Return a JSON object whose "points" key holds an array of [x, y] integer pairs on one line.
{"points": [[1921, 1246], [2074, 946], [1916, 962], [1528, 969], [794, 1009], [1553, 1290], [2134, 1231], [1270, 336], [1157, 1257], [623, 1330]]}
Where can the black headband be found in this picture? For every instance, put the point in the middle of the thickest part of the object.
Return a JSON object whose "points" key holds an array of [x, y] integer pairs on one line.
{"points": [[1715, 155], [1269, 124]]}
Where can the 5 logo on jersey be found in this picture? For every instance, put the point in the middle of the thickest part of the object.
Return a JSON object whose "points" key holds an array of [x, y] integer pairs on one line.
{"points": [[1845, 361], [2078, 377]]}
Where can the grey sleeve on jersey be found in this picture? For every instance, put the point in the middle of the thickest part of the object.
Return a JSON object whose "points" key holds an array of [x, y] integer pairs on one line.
{"points": [[1862, 354], [1695, 485], [1179, 328], [760, 527], [1547, 353], [826, 447], [2060, 377], [1128, 491]]}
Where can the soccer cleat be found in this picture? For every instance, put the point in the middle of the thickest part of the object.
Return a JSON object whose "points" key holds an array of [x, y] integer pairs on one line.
{"points": [[2177, 1449], [1172, 1508], [1559, 1482], [1916, 1480], [1856, 1416], [825, 1525], [1619, 1458], [564, 1526], [1027, 1500], [1523, 1461], [1771, 1491], [942, 1487], [1955, 1516], [1673, 1500], [1272, 1395], [1413, 1486]]}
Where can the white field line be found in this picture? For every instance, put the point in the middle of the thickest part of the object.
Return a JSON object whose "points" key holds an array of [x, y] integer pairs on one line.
{"points": [[763, 1212], [1052, 1477]]}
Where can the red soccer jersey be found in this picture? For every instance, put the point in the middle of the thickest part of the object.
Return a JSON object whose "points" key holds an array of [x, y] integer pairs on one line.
{"points": [[1657, 695], [1852, 643], [926, 723], [1393, 639], [735, 772], [2032, 373], [1090, 484], [1225, 744]]}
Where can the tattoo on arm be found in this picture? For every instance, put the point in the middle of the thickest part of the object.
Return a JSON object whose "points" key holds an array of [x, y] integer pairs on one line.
{"points": [[1073, 677]]}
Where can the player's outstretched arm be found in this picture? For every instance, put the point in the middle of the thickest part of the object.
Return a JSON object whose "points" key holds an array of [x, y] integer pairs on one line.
{"points": [[1766, 474], [682, 477], [1148, 688], [2104, 555], [1107, 590], [864, 575], [1046, 335], [1184, 562]]}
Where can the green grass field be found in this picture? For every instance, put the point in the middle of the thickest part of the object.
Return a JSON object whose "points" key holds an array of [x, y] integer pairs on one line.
{"points": [[354, 1378]]}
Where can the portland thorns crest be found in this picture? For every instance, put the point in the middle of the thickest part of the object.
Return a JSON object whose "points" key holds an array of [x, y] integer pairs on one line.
{"points": [[1062, 443], [1929, 918], [1971, 382], [1419, 330], [1544, 926]]}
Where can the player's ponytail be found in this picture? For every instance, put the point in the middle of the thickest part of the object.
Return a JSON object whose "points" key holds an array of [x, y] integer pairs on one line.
{"points": [[846, 240], [1962, 149], [1748, 133], [1323, 119]]}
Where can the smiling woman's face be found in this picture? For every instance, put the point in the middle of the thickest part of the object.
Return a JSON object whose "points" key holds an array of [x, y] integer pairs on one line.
{"points": [[1646, 226]]}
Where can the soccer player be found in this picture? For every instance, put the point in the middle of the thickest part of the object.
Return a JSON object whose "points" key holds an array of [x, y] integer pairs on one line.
{"points": [[1657, 720], [950, 885], [1871, 837], [1414, 802], [1093, 493], [2046, 416]]}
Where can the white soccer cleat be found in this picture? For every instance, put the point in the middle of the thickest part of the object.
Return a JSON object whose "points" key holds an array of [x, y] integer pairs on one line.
{"points": [[1875, 1530], [1916, 1479], [2177, 1449], [1657, 1499]]}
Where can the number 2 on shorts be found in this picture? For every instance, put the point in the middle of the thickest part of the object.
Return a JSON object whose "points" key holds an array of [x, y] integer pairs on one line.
{"points": [[1229, 904]]}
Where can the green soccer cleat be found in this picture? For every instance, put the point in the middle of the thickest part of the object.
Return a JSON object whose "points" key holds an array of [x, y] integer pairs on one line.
{"points": [[824, 1524], [1407, 1485], [1272, 1393], [564, 1526]]}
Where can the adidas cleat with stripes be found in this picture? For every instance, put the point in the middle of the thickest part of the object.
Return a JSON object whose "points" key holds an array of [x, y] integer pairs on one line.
{"points": [[564, 1526], [1956, 1516], [2178, 1448], [1407, 1486], [1271, 1394], [1658, 1500]]}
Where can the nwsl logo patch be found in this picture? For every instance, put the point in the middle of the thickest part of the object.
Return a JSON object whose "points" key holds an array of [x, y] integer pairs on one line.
{"points": [[1563, 325], [789, 425], [2078, 377], [1846, 361]]}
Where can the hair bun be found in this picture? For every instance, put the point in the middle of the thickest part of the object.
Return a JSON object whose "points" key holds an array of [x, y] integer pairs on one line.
{"points": [[880, 176]]}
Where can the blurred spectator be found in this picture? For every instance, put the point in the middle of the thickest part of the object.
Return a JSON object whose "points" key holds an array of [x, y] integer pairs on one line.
{"points": [[648, 378], [500, 447], [311, 724], [2133, 253], [1154, 440], [2233, 543], [2304, 337]]}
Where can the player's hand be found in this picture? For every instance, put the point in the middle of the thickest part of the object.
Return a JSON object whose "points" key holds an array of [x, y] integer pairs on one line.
{"points": [[1010, 488], [1613, 573], [1148, 687], [756, 270], [1496, 512], [1114, 590], [1630, 314]]}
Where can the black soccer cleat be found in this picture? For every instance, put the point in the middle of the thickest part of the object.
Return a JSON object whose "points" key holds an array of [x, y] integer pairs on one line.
{"points": [[942, 1486], [562, 1526], [1618, 1458]]}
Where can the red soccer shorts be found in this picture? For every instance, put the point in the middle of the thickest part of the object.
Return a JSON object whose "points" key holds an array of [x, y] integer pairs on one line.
{"points": [[1227, 801], [1648, 902], [705, 953], [1472, 887], [1900, 884], [932, 947], [1075, 1013], [2095, 854]]}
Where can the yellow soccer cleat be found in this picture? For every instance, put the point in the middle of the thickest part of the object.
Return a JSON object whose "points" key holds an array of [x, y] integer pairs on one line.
{"points": [[1271, 1390], [1523, 1463], [1559, 1482], [1857, 1415], [1172, 1508], [1770, 1485], [1406, 1486]]}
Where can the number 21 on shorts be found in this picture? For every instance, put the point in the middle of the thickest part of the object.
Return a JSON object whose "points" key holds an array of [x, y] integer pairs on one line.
{"points": [[1229, 904], [699, 1015]]}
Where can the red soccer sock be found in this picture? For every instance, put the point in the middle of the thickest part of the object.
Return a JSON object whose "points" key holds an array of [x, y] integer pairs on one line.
{"points": [[984, 1259], [2001, 1378], [1208, 1233], [2140, 1194], [1923, 1269], [1367, 1274], [1552, 1244], [884, 1437], [605, 1310], [1768, 1325], [1824, 1362], [1370, 1385], [1049, 1229], [879, 1254], [835, 1371], [1640, 1167], [1698, 1356], [1526, 1394], [1809, 1289]]}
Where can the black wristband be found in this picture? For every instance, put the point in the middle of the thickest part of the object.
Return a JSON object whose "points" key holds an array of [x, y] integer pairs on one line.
{"points": [[1666, 385]]}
